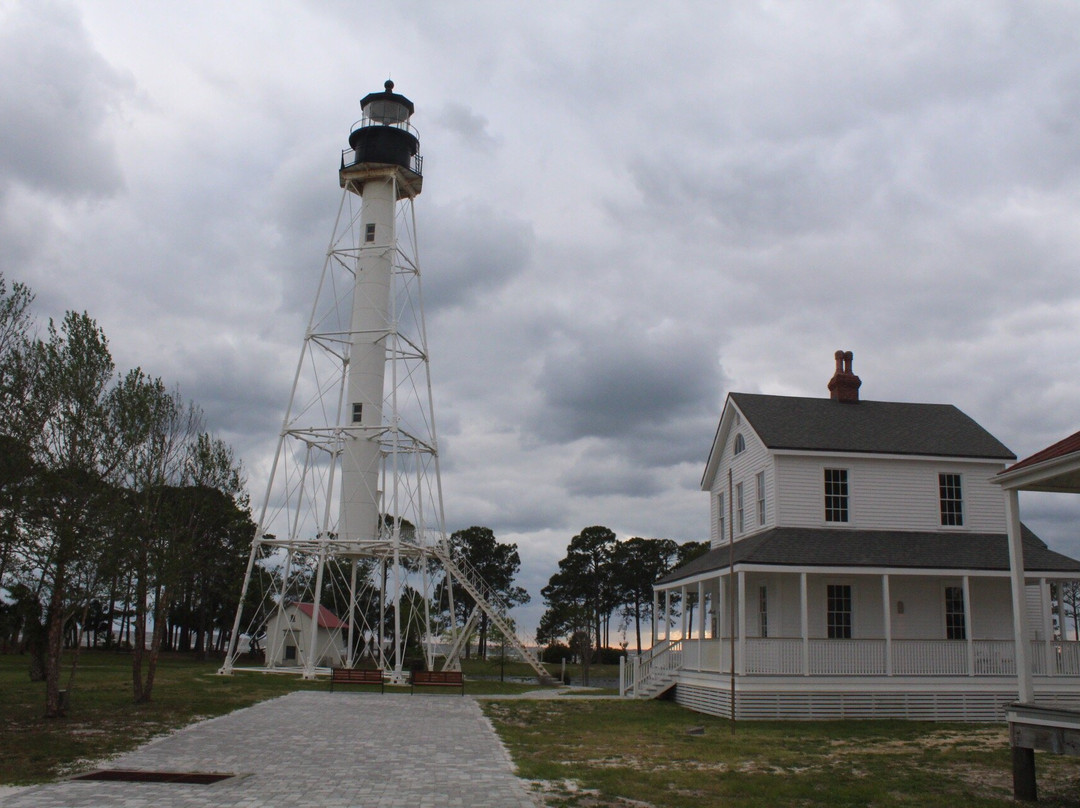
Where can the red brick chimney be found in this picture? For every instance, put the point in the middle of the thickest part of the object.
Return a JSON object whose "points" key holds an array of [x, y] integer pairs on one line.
{"points": [[844, 385]]}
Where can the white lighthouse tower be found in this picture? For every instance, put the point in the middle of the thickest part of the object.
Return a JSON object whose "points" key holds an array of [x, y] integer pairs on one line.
{"points": [[350, 564]]}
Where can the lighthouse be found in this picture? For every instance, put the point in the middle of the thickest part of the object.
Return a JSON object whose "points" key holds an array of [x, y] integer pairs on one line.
{"points": [[350, 564], [382, 168]]}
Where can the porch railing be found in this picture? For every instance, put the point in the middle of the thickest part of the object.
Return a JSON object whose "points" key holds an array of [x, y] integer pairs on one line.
{"points": [[793, 656], [637, 670]]}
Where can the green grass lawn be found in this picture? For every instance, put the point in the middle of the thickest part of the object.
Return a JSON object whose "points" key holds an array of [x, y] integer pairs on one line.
{"points": [[610, 753], [586, 753], [102, 719]]}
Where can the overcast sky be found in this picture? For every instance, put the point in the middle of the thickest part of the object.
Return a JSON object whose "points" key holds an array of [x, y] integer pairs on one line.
{"points": [[629, 209]]}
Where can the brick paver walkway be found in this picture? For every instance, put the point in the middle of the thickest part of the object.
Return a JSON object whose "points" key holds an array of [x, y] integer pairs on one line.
{"points": [[331, 750]]}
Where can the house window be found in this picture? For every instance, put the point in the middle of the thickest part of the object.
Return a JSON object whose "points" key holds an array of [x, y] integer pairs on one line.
{"points": [[952, 502], [761, 497], [836, 495], [357, 413], [838, 616], [369, 232], [740, 515], [763, 610], [954, 613], [740, 444], [290, 652], [721, 522]]}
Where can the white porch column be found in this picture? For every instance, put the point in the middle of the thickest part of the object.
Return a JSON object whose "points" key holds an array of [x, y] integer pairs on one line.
{"points": [[740, 600], [667, 615], [685, 610], [1048, 625], [804, 625], [722, 622], [1025, 690], [1061, 612], [702, 617], [655, 616], [967, 627], [886, 601]]}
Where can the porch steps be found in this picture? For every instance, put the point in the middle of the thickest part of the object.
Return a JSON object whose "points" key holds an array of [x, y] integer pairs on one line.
{"points": [[657, 685]]}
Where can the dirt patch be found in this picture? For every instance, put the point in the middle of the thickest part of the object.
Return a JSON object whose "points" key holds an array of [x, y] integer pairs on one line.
{"points": [[975, 739], [568, 794]]}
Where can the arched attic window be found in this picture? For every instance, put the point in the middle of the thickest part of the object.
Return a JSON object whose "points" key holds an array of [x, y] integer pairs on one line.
{"points": [[740, 443]]}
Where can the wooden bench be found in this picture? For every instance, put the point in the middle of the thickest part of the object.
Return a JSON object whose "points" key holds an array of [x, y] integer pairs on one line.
{"points": [[354, 676], [437, 679]]}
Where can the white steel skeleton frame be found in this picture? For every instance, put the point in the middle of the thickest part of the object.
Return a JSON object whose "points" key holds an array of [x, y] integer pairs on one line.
{"points": [[384, 587], [297, 542]]}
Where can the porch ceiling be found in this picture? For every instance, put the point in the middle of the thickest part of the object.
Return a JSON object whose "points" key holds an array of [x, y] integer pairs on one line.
{"points": [[826, 547], [1055, 468]]}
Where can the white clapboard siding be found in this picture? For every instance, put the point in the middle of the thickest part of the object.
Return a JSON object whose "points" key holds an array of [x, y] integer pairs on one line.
{"points": [[888, 493], [984, 704], [744, 469]]}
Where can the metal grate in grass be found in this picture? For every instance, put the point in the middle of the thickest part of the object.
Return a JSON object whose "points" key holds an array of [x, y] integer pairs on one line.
{"points": [[131, 776]]}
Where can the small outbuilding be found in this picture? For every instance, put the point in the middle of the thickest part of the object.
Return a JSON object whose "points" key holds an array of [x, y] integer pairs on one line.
{"points": [[288, 636]]}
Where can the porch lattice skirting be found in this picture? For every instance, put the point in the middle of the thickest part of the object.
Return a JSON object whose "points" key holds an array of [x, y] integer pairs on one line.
{"points": [[759, 702]]}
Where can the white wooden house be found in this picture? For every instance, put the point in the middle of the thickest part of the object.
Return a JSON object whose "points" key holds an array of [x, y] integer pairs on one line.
{"points": [[288, 637], [859, 567]]}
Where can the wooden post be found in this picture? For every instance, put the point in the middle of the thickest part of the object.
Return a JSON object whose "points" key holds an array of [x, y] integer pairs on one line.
{"points": [[968, 633], [702, 616], [685, 612], [655, 617], [1023, 765], [1047, 626], [1025, 690], [886, 604], [804, 625]]}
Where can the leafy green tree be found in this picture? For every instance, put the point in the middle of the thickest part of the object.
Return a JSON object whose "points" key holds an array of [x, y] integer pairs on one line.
{"points": [[74, 453], [157, 428], [581, 595], [636, 564], [17, 468], [689, 550]]}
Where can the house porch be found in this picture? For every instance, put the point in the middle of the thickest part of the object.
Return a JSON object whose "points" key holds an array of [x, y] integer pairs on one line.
{"points": [[908, 644]]}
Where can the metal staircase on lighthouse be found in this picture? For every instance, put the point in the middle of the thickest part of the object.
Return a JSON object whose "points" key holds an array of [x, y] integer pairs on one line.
{"points": [[488, 601]]}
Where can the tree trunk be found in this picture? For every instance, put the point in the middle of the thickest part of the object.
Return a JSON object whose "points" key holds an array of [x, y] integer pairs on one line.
{"points": [[637, 622], [139, 646], [54, 643], [155, 646], [110, 615]]}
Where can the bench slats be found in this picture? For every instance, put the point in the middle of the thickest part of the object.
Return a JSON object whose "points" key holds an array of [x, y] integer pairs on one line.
{"points": [[352, 676], [437, 679]]}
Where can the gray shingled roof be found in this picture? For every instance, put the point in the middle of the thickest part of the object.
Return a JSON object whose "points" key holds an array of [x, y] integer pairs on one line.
{"points": [[821, 424], [896, 549]]}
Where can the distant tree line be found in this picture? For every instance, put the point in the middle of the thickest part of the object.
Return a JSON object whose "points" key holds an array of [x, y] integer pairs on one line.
{"points": [[601, 577], [117, 507]]}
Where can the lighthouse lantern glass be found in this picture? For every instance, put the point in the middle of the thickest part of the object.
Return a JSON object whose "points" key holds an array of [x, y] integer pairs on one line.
{"points": [[387, 112]]}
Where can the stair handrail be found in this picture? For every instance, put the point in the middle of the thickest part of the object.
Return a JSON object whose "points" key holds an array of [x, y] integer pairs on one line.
{"points": [[663, 657], [487, 599]]}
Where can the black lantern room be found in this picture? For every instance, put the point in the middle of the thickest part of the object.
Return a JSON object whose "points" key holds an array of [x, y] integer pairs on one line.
{"points": [[383, 135]]}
